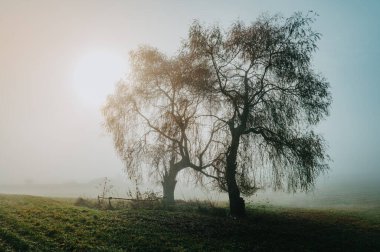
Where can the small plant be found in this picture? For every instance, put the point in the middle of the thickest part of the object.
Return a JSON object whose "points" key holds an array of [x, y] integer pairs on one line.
{"points": [[105, 187], [137, 195], [147, 199], [106, 190]]}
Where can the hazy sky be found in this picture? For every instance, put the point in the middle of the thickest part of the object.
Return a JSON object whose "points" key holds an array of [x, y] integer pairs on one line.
{"points": [[60, 59]]}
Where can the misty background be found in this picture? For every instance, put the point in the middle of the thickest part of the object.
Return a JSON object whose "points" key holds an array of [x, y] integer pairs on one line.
{"points": [[51, 137]]}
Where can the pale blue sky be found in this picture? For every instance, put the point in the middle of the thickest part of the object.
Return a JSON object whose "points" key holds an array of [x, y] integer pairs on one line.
{"points": [[50, 132]]}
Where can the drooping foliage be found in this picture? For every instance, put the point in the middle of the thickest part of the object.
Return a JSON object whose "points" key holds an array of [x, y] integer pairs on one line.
{"points": [[272, 99], [156, 118], [239, 106]]}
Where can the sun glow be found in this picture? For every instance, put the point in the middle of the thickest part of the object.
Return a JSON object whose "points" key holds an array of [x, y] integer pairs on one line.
{"points": [[95, 75]]}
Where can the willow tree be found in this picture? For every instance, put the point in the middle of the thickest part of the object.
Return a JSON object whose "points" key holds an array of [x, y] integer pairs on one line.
{"points": [[156, 118], [272, 99]]}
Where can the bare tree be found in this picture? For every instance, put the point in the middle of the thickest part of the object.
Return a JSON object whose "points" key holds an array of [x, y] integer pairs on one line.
{"points": [[271, 99], [156, 119]]}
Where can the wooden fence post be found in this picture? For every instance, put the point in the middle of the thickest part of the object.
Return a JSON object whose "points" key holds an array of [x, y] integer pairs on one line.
{"points": [[109, 202]]}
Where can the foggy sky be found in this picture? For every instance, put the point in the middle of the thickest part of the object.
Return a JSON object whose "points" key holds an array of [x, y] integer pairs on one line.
{"points": [[49, 134]]}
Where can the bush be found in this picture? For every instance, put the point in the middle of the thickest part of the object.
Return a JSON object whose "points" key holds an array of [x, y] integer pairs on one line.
{"points": [[85, 203]]}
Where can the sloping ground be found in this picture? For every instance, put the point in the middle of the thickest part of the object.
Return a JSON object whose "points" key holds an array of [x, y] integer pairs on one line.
{"points": [[43, 224]]}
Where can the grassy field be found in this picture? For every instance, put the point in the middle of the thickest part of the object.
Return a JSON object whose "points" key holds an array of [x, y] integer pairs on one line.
{"points": [[46, 224]]}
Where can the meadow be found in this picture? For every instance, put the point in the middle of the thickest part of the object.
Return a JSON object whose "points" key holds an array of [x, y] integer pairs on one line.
{"points": [[29, 223]]}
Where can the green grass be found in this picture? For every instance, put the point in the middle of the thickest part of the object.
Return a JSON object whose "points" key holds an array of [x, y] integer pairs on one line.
{"points": [[46, 224]]}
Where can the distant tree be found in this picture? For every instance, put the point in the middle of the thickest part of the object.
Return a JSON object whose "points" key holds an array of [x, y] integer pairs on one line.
{"points": [[270, 98], [156, 120]]}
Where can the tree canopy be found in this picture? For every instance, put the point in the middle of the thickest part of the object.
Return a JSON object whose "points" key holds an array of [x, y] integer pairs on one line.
{"points": [[262, 73], [156, 118], [237, 105]]}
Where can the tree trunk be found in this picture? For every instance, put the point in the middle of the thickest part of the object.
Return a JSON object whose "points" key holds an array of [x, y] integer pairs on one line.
{"points": [[237, 205], [169, 182]]}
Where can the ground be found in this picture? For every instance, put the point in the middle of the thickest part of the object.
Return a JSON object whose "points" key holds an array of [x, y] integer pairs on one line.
{"points": [[46, 224]]}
